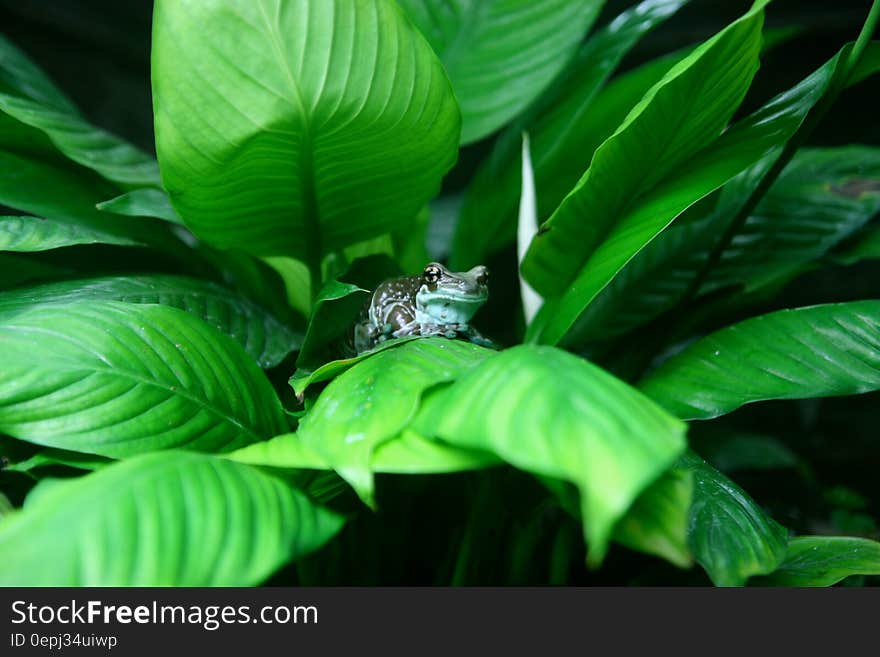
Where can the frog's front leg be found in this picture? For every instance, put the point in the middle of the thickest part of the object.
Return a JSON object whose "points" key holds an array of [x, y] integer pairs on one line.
{"points": [[475, 336], [399, 322]]}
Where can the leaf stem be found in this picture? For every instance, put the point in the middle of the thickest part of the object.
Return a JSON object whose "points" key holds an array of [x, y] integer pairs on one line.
{"points": [[864, 37]]}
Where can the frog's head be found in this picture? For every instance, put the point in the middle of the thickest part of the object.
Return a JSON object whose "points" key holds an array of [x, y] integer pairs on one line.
{"points": [[448, 297]]}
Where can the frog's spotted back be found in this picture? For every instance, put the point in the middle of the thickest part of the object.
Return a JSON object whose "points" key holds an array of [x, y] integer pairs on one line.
{"points": [[438, 302]]}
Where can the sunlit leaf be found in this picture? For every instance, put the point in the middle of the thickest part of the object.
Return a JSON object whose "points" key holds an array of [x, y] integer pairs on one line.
{"points": [[117, 379], [372, 402], [163, 519], [408, 453], [332, 122], [263, 337], [550, 413]]}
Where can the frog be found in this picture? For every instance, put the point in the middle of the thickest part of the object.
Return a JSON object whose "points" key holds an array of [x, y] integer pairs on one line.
{"points": [[437, 302]]}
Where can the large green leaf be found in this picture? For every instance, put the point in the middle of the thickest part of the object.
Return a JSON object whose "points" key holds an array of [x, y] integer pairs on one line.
{"points": [[501, 54], [263, 337], [117, 379], [824, 560], [28, 97], [731, 536], [678, 117], [550, 413], [162, 519], [408, 453], [819, 351], [25, 233], [575, 116], [372, 402], [297, 128], [742, 146]]}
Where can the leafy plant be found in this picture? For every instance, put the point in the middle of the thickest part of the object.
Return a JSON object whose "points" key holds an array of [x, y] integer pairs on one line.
{"points": [[175, 408]]}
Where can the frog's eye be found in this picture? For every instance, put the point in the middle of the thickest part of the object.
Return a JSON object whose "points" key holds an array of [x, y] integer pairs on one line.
{"points": [[431, 273], [483, 276]]}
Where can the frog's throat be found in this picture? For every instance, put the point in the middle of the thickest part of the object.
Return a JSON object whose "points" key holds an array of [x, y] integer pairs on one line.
{"points": [[447, 308]]}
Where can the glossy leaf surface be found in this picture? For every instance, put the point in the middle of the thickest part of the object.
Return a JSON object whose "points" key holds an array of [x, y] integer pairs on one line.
{"points": [[572, 119], [702, 91], [26, 233], [333, 122], [732, 538], [162, 519], [262, 336], [118, 379], [824, 561], [372, 402], [550, 413], [818, 351]]}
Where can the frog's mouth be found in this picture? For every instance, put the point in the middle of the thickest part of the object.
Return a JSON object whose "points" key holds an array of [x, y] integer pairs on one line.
{"points": [[448, 307]]}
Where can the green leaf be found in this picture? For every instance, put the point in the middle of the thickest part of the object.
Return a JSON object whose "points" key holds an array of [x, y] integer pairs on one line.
{"points": [[819, 351], [866, 246], [303, 377], [332, 122], [297, 282], [142, 203], [263, 337], [657, 522], [824, 560], [552, 414], [501, 55], [163, 519], [336, 308], [408, 453], [50, 457], [117, 379], [731, 537], [23, 233], [20, 76], [740, 147], [822, 197], [702, 91], [69, 195], [573, 117], [372, 402], [27, 96]]}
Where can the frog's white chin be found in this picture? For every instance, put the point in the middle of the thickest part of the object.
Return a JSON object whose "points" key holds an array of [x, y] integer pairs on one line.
{"points": [[438, 312]]}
